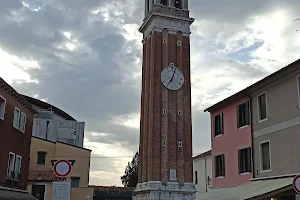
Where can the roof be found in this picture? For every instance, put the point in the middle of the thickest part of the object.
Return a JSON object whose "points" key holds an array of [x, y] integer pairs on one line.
{"points": [[112, 188], [42, 176], [45, 105], [249, 190], [61, 143], [202, 155], [245, 92], [10, 90]]}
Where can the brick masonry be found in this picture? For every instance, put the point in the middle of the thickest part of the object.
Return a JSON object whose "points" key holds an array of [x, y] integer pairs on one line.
{"points": [[157, 160], [13, 140]]}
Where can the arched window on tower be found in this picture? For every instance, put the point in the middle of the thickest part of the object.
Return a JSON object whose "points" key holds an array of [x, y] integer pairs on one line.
{"points": [[178, 4], [164, 2]]}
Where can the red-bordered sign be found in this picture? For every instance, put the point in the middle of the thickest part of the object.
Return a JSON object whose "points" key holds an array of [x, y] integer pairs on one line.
{"points": [[296, 183], [62, 168]]}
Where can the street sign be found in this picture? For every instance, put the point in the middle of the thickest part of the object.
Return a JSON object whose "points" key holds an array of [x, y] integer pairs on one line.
{"points": [[297, 196], [62, 168], [61, 190], [296, 183]]}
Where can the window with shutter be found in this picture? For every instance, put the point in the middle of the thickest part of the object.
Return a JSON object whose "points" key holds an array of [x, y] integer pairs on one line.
{"points": [[2, 107], [244, 160], [41, 158], [262, 107], [265, 156], [218, 124], [243, 114], [220, 166]]}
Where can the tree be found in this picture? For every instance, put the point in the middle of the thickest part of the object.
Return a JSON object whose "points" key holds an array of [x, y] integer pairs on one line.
{"points": [[130, 178]]}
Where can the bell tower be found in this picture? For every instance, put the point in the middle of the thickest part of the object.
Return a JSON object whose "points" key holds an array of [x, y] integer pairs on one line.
{"points": [[165, 149]]}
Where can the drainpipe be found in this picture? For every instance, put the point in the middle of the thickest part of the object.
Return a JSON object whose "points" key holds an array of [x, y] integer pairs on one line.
{"points": [[205, 176], [47, 129], [251, 132]]}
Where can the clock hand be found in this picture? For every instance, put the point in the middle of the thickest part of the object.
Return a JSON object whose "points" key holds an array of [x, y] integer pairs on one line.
{"points": [[172, 77]]}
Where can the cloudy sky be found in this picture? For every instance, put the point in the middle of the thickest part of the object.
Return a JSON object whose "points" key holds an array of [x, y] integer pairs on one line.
{"points": [[84, 56]]}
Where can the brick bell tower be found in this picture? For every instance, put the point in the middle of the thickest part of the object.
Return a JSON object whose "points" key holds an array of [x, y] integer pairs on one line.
{"points": [[165, 153]]}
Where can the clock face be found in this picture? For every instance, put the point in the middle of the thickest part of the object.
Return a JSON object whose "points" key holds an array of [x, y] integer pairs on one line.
{"points": [[172, 78]]}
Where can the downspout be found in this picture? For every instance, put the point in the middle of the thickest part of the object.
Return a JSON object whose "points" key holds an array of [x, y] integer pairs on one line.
{"points": [[205, 175], [251, 133]]}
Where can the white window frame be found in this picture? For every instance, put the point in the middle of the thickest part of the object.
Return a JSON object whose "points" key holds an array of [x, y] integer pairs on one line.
{"points": [[8, 165], [298, 88], [2, 114], [258, 109], [23, 131], [260, 156], [18, 118], [18, 156]]}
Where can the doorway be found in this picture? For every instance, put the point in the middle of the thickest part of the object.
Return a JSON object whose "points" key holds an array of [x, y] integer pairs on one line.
{"points": [[38, 191]]}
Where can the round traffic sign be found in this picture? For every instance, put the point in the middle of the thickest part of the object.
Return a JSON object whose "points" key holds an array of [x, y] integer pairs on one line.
{"points": [[62, 168], [296, 183]]}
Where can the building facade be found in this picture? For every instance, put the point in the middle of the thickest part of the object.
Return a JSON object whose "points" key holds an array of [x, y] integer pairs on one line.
{"points": [[53, 124], [16, 116], [202, 165], [41, 176], [165, 150], [276, 127], [231, 143]]}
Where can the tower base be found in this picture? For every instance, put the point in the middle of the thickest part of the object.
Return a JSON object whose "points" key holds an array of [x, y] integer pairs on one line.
{"points": [[155, 190]]}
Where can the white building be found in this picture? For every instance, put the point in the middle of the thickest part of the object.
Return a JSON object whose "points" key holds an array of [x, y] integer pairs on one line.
{"points": [[202, 172]]}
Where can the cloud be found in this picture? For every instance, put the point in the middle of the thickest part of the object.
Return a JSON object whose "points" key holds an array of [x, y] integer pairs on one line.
{"points": [[85, 58]]}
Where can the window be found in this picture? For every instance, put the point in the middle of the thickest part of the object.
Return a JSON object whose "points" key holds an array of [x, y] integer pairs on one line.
{"points": [[22, 122], [265, 156], [196, 177], [298, 84], [18, 167], [262, 107], [41, 158], [244, 157], [16, 118], [218, 124], [220, 165], [164, 2], [2, 107], [243, 118], [11, 164], [75, 181], [178, 4]]}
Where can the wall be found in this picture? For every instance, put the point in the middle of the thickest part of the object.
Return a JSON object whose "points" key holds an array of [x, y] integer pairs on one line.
{"points": [[228, 144], [60, 151], [13, 140], [203, 166], [282, 128]]}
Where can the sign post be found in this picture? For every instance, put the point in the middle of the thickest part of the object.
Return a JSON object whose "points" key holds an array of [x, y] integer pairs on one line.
{"points": [[62, 188], [296, 184]]}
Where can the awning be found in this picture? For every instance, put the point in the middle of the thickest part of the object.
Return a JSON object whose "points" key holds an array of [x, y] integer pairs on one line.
{"points": [[248, 190], [14, 194]]}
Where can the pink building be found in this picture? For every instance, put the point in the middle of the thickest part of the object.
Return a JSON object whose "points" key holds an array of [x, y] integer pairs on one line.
{"points": [[231, 141]]}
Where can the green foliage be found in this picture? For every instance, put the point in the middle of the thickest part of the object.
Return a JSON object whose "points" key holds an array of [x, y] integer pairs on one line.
{"points": [[130, 178]]}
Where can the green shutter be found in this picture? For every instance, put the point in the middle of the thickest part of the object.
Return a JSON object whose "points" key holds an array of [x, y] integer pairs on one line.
{"points": [[41, 158]]}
